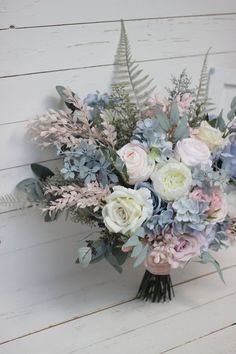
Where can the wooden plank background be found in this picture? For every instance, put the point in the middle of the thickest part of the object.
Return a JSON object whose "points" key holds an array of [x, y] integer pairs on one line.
{"points": [[45, 43]]}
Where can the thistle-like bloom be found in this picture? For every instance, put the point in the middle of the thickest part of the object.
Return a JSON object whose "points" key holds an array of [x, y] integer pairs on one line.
{"points": [[172, 181]]}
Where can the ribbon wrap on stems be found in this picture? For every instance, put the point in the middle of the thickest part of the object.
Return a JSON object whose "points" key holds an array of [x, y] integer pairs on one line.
{"points": [[156, 285]]}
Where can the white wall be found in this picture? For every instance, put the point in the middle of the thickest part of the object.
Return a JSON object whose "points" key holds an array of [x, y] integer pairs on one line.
{"points": [[72, 43]]}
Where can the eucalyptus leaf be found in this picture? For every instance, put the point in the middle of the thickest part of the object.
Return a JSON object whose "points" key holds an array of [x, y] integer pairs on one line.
{"points": [[140, 232], [140, 259], [113, 262], [84, 256], [163, 120], [208, 258], [100, 251], [137, 250], [182, 131], [132, 241], [32, 188], [174, 114]]}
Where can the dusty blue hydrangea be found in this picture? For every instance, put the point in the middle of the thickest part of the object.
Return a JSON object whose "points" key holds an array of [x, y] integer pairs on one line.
{"points": [[88, 164], [189, 215], [149, 134], [158, 222], [98, 103], [208, 178]]}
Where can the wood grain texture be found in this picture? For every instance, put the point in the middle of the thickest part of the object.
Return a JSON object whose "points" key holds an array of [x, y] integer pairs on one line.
{"points": [[202, 306], [221, 341], [44, 286], [72, 43], [66, 47], [39, 94], [53, 12]]}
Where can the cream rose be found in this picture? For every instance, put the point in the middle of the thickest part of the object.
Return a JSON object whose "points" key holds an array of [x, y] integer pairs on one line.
{"points": [[193, 152], [139, 166], [127, 209], [211, 136], [172, 181]]}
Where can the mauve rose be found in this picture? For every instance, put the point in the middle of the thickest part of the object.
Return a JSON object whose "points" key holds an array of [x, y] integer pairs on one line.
{"points": [[175, 251], [186, 248], [139, 166], [193, 152]]}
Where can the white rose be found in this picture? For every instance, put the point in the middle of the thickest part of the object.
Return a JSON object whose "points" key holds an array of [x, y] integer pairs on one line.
{"points": [[139, 166], [231, 201], [193, 152], [211, 136], [172, 181], [127, 209]]}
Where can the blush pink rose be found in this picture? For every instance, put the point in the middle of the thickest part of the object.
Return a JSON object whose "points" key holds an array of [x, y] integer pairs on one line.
{"points": [[193, 152], [218, 208], [198, 194]]}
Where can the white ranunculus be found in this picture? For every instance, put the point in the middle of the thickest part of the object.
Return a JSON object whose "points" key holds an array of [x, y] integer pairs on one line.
{"points": [[211, 136], [193, 152], [231, 201], [127, 209], [139, 166], [172, 181]]}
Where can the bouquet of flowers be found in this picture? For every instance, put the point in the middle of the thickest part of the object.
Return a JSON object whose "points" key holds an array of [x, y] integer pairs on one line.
{"points": [[156, 176]]}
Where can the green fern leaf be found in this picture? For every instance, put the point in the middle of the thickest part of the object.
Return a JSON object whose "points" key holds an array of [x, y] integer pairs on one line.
{"points": [[14, 201], [128, 74], [202, 99]]}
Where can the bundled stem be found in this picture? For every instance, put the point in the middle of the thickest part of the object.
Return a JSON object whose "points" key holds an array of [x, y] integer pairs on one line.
{"points": [[156, 288]]}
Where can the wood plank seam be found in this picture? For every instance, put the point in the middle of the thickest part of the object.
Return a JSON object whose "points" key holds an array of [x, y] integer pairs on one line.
{"points": [[125, 302], [200, 337], [13, 27], [111, 64]]}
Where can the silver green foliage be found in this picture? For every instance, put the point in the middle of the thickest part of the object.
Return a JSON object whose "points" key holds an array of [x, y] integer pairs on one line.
{"points": [[128, 74]]}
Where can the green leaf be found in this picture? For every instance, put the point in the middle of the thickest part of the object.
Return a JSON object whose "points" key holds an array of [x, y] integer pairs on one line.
{"points": [[50, 217], [174, 114], [32, 188], [182, 131], [132, 241], [208, 258], [137, 250], [119, 254], [220, 123], [100, 251], [41, 171], [140, 232], [84, 256], [113, 262], [140, 259], [163, 120]]}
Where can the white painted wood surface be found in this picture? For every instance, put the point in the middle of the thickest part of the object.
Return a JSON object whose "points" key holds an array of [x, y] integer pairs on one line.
{"points": [[72, 43]]}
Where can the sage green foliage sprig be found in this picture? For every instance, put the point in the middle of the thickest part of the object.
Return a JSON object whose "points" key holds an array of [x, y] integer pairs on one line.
{"points": [[128, 74], [175, 127], [123, 115]]}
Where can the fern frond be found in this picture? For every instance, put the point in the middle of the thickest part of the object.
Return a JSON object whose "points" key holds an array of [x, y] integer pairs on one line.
{"points": [[14, 201], [202, 99], [128, 74]]}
